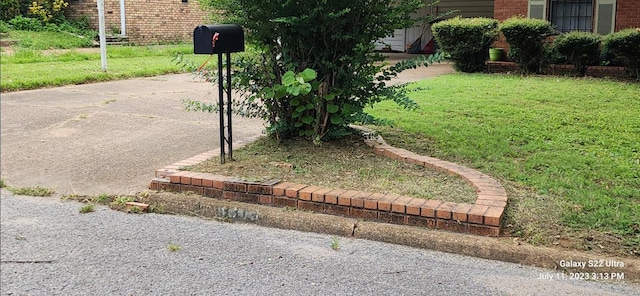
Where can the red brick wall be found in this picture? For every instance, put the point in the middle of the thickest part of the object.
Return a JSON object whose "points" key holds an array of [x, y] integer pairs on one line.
{"points": [[149, 21], [504, 9], [627, 14]]}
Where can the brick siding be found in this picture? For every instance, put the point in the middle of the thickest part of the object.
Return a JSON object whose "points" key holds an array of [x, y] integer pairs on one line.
{"points": [[627, 14], [149, 21]]}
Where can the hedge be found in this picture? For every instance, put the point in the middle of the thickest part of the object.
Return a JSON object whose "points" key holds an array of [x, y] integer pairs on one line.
{"points": [[467, 41]]}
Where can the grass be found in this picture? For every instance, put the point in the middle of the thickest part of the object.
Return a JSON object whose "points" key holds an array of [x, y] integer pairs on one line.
{"points": [[173, 247], [21, 76], [87, 208], [567, 149], [31, 191], [119, 203], [77, 66], [48, 40], [345, 164], [335, 243]]}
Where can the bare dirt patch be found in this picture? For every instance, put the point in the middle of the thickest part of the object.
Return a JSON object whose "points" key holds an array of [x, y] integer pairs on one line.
{"points": [[346, 164]]}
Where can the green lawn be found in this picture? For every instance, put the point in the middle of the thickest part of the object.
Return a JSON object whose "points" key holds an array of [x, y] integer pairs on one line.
{"points": [[574, 144], [48, 40], [30, 69]]}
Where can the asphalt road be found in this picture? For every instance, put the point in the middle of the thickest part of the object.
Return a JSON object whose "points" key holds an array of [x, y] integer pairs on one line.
{"points": [[49, 248]]}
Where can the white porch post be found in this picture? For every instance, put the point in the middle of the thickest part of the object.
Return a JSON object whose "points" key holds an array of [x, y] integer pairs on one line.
{"points": [[103, 39], [123, 26]]}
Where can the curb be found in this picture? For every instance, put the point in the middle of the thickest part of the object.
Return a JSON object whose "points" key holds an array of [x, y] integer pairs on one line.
{"points": [[417, 237], [484, 217]]}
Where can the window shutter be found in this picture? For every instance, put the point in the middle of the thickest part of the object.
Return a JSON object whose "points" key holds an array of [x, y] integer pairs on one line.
{"points": [[538, 9], [605, 16]]}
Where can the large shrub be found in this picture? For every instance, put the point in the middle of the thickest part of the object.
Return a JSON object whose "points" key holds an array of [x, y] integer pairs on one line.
{"points": [[581, 49], [526, 38], [9, 9], [315, 70], [467, 40], [626, 45]]}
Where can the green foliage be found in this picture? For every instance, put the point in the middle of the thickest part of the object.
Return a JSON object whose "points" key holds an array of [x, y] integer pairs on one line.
{"points": [[87, 208], [72, 28], [334, 38], [526, 38], [4, 27], [581, 49], [173, 247], [31, 191], [609, 58], [467, 40], [626, 45], [25, 23], [335, 243], [9, 9]]}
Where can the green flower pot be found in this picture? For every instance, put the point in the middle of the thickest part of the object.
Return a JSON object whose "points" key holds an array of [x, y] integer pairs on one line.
{"points": [[496, 54]]}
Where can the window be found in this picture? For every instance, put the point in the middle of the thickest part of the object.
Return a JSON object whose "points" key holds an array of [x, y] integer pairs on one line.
{"points": [[572, 15], [576, 15]]}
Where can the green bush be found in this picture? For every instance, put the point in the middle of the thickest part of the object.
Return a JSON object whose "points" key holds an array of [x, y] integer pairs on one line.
{"points": [[581, 49], [467, 40], [314, 70], [25, 24], [9, 9], [609, 58], [526, 38], [625, 45]]}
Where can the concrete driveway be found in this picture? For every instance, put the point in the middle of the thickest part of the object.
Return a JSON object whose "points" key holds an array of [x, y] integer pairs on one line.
{"points": [[111, 137], [107, 137]]}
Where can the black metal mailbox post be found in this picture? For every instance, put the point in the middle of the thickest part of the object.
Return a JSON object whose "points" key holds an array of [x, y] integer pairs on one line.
{"points": [[221, 39]]}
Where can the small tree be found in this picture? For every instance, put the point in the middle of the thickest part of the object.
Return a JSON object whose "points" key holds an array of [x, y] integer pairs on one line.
{"points": [[581, 49], [526, 38], [467, 40], [315, 70], [625, 45]]}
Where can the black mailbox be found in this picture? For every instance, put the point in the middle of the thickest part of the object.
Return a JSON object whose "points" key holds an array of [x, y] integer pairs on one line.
{"points": [[210, 39]]}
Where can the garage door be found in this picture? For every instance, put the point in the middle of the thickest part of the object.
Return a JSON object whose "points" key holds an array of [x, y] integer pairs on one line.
{"points": [[395, 42]]}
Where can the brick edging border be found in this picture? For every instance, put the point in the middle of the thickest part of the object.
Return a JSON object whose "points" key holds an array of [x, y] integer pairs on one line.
{"points": [[484, 217], [555, 69]]}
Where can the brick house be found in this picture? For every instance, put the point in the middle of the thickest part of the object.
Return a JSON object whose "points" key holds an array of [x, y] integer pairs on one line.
{"points": [[149, 21], [600, 16]]}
